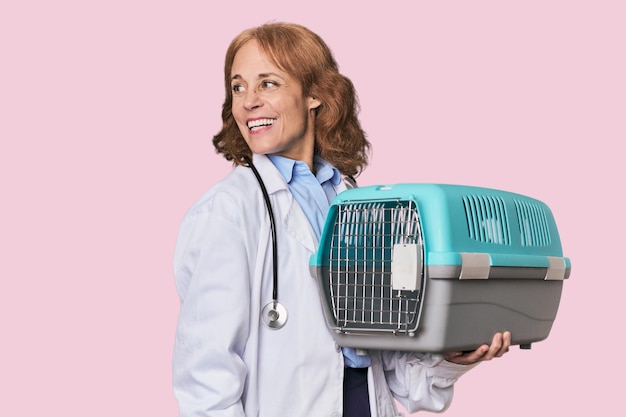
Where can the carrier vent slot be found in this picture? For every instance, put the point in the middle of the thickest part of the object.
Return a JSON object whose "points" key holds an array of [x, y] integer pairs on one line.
{"points": [[534, 230], [487, 220]]}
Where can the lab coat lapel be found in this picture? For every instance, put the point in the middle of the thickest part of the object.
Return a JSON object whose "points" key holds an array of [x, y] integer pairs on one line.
{"points": [[287, 210], [298, 226]]}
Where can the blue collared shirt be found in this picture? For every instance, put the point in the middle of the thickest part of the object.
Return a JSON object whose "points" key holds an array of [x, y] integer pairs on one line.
{"points": [[314, 193]]}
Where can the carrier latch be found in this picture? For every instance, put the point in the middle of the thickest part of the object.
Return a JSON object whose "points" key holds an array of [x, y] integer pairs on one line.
{"points": [[556, 269], [475, 265]]}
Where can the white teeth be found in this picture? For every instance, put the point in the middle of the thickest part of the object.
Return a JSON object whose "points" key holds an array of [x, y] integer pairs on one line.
{"points": [[260, 122]]}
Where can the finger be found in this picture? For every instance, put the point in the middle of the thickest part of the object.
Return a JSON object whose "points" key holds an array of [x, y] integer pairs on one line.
{"points": [[466, 358], [507, 338], [506, 343], [494, 348], [452, 356], [477, 355]]}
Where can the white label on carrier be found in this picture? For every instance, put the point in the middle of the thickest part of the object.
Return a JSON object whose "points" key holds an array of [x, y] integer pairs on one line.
{"points": [[405, 267]]}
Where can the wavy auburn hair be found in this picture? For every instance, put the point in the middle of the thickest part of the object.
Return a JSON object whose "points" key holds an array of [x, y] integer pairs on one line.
{"points": [[339, 138]]}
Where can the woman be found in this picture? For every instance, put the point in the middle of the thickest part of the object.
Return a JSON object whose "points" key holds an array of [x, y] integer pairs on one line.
{"points": [[290, 111]]}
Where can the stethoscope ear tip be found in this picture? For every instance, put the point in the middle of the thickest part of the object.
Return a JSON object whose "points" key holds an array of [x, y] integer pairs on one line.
{"points": [[274, 315]]}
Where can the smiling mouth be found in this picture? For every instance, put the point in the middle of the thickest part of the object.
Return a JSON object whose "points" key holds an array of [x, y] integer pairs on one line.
{"points": [[259, 124]]}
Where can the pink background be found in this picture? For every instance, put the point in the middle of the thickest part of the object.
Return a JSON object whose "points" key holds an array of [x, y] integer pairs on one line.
{"points": [[106, 113]]}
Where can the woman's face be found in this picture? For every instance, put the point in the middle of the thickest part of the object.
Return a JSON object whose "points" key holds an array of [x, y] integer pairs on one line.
{"points": [[269, 107]]}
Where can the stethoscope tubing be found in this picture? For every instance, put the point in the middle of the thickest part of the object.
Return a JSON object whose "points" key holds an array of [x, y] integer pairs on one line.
{"points": [[270, 211], [274, 314]]}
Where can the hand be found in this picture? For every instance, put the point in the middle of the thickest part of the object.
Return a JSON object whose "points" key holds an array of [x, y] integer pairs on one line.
{"points": [[499, 346]]}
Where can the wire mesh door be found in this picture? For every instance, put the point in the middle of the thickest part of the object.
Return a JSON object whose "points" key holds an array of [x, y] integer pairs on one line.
{"points": [[361, 287]]}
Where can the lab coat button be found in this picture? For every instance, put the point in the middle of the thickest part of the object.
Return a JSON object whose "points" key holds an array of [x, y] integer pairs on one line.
{"points": [[338, 349], [335, 414]]}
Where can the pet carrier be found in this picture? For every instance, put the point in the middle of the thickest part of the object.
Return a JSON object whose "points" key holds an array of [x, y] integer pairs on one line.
{"points": [[434, 267]]}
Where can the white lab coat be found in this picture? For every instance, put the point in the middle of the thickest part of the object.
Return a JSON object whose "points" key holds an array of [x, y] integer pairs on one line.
{"points": [[226, 361]]}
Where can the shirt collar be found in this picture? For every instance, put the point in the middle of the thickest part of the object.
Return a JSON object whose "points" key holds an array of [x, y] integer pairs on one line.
{"points": [[325, 171]]}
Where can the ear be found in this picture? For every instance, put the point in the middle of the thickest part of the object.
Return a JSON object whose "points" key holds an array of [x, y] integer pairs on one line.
{"points": [[313, 103]]}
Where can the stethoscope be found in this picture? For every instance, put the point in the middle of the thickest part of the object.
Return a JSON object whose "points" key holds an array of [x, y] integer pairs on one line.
{"points": [[273, 314]]}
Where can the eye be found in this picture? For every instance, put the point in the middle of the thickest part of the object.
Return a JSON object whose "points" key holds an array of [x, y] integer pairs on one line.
{"points": [[268, 84], [237, 89]]}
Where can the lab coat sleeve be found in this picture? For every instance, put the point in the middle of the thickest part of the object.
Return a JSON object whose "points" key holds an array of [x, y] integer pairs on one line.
{"points": [[421, 381], [212, 279]]}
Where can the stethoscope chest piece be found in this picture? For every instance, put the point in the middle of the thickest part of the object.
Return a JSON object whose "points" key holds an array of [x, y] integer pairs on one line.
{"points": [[274, 315]]}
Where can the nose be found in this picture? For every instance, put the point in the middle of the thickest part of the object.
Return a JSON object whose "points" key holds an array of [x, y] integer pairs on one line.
{"points": [[252, 100]]}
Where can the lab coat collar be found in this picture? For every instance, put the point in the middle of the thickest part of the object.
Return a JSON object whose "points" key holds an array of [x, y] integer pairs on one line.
{"points": [[286, 209], [293, 219], [272, 178]]}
